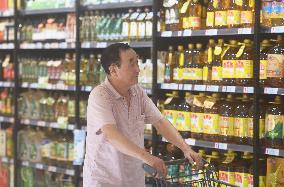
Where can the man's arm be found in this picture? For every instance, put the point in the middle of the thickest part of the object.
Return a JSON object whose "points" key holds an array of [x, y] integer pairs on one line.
{"points": [[121, 143], [172, 135]]}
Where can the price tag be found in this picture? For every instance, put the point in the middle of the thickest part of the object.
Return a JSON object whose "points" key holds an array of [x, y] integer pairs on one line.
{"points": [[27, 121], [187, 87], [61, 86], [165, 86], [4, 159], [211, 88], [179, 33], [223, 146], [180, 86], [53, 125], [88, 88], [1, 118], [231, 89], [25, 163], [216, 145], [199, 87], [51, 168], [279, 29], [187, 32], [62, 122], [39, 166], [42, 82], [167, 34], [41, 123], [71, 127], [211, 32], [190, 141], [11, 120], [38, 45], [11, 46], [70, 172], [25, 84], [248, 90], [274, 152], [270, 90], [244, 31], [174, 86], [101, 45]]}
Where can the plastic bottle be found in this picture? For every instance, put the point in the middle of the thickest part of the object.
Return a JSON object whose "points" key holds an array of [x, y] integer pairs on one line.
{"points": [[196, 67], [242, 170], [247, 14], [221, 14], [227, 168], [196, 116], [170, 63], [194, 16], [277, 13], [187, 74], [171, 107], [234, 15], [207, 68], [265, 47], [184, 14], [210, 17], [183, 115], [179, 65], [217, 63]]}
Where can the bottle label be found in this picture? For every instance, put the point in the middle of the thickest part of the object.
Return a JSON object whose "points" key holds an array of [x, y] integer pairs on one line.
{"points": [[210, 123], [241, 127], [263, 69], [220, 18], [234, 17], [149, 28], [228, 177], [226, 126], [125, 30], [261, 128], [194, 22], [241, 179], [250, 180], [217, 73], [274, 126], [178, 74], [246, 17], [133, 29], [262, 181], [167, 73], [229, 67], [210, 19], [275, 66], [183, 121], [239, 2], [185, 23], [169, 115], [141, 29], [205, 73], [196, 120], [192, 74], [244, 69], [62, 151]]}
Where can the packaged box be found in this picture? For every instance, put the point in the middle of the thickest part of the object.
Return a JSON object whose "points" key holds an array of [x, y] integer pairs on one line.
{"points": [[275, 172]]}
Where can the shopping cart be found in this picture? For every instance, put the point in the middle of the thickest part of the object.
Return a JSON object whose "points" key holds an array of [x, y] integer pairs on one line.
{"points": [[182, 174]]}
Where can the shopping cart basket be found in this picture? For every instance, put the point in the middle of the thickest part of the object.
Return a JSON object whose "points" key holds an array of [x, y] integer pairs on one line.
{"points": [[182, 174]]}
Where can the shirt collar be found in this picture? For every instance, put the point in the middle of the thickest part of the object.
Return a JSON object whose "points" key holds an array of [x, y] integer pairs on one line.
{"points": [[115, 93]]}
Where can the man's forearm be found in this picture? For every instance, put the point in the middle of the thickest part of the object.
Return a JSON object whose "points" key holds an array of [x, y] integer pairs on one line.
{"points": [[171, 134]]}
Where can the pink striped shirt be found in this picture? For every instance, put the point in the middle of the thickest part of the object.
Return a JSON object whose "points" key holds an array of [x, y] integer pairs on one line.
{"points": [[104, 165]]}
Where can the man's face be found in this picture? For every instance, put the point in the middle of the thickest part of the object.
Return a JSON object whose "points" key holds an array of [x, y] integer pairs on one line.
{"points": [[128, 71]]}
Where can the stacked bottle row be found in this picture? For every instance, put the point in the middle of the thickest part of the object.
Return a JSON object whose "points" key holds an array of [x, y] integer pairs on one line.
{"points": [[49, 28], [225, 64], [6, 102], [228, 120], [50, 107], [6, 174], [201, 14], [54, 71], [46, 146], [101, 26], [39, 4], [6, 68], [6, 30], [31, 177], [98, 2], [6, 140]]}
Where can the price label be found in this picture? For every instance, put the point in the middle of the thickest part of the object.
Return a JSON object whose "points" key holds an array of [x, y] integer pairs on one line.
{"points": [[62, 122], [88, 88], [11, 46], [27, 121], [70, 172], [61, 86], [51, 168], [1, 118], [216, 145], [274, 152], [231, 89], [270, 90], [211, 88], [199, 87], [11, 120], [53, 125], [279, 29], [174, 86], [187, 87], [167, 34], [248, 90], [190, 141], [6, 84], [180, 86], [211, 32], [25, 84], [38, 45], [165, 86], [41, 123], [71, 127], [101, 45], [187, 32], [244, 31], [39, 166], [223, 146], [179, 33], [63, 45], [4, 159], [25, 163]]}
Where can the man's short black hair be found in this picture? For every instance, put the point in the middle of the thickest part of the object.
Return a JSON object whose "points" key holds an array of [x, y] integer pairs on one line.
{"points": [[111, 55]]}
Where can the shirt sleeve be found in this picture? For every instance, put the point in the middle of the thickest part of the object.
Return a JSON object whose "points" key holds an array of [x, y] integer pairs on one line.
{"points": [[152, 113], [99, 110]]}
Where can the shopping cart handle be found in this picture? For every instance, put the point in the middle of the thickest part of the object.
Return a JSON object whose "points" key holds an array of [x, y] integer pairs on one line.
{"points": [[150, 170]]}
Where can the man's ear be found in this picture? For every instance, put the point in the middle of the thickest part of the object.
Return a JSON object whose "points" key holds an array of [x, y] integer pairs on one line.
{"points": [[112, 69]]}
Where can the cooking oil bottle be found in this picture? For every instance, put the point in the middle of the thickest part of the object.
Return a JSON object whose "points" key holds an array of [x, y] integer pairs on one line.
{"points": [[171, 106], [227, 168], [197, 64], [210, 15], [242, 169], [207, 68], [178, 70], [217, 63], [195, 13], [264, 48], [247, 14], [221, 14], [184, 13], [187, 73], [196, 116], [169, 66], [183, 115], [234, 15]]}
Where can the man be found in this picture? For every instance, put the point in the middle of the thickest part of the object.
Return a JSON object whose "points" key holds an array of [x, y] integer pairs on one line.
{"points": [[117, 111]]}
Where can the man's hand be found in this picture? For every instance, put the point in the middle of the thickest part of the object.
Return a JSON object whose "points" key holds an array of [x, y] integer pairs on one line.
{"points": [[156, 163], [193, 157]]}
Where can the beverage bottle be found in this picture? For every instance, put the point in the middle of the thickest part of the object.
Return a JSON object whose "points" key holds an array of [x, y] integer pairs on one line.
{"points": [[210, 16], [217, 63], [275, 69], [242, 170], [134, 25], [207, 68], [83, 70], [187, 74], [244, 66], [264, 48], [184, 14], [234, 15], [211, 118], [148, 24], [267, 13], [183, 115], [247, 14], [141, 31], [170, 63], [179, 65], [194, 16], [226, 119], [196, 67], [274, 124], [221, 14], [229, 62], [197, 116], [126, 25], [227, 168], [171, 106]]}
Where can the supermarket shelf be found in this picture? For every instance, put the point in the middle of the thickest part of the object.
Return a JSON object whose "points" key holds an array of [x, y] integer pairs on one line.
{"points": [[6, 14], [207, 32], [40, 123], [86, 88], [7, 84], [119, 5], [273, 152], [48, 86], [273, 91], [53, 169], [6, 160], [7, 46], [206, 88], [279, 29], [48, 45], [217, 145], [47, 11], [134, 44], [7, 119]]}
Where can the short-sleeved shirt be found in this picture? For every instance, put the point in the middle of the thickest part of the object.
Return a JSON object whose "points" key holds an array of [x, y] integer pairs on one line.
{"points": [[103, 163]]}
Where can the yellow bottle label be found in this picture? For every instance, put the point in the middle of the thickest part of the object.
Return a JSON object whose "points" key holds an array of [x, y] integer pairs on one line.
{"points": [[226, 125], [252, 3], [211, 124], [194, 22], [215, 3], [228, 177], [263, 69], [234, 17], [193, 73], [210, 54], [181, 59], [261, 128], [220, 18], [274, 126], [246, 17], [229, 67], [217, 50], [205, 73], [275, 66], [217, 73], [178, 74], [250, 180], [241, 127], [262, 181], [241, 179], [185, 23], [244, 69], [183, 121], [171, 116], [187, 122], [239, 2], [210, 19], [196, 121]]}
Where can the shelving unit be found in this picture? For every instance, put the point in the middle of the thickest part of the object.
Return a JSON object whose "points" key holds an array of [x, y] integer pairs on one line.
{"points": [[120, 5]]}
